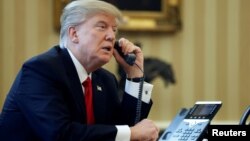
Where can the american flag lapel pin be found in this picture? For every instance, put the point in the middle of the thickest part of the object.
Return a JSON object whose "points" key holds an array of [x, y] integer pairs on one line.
{"points": [[99, 88]]}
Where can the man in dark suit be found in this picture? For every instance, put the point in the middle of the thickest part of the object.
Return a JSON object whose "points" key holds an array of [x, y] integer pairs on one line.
{"points": [[47, 100]]}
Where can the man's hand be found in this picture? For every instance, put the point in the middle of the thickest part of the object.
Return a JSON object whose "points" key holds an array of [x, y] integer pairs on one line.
{"points": [[129, 47], [145, 130]]}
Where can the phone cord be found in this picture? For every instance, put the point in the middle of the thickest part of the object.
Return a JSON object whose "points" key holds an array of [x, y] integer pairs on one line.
{"points": [[139, 101]]}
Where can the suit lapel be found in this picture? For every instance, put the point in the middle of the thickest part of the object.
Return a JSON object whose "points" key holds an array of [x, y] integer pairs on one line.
{"points": [[99, 98], [74, 83]]}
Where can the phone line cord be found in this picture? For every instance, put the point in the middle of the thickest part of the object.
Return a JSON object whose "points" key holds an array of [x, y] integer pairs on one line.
{"points": [[139, 101]]}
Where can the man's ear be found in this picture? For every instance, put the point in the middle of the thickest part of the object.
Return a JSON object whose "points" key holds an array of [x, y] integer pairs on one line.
{"points": [[73, 35]]}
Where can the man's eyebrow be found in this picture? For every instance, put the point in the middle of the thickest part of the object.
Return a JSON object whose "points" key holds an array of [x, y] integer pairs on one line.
{"points": [[98, 22], [101, 21], [106, 23]]}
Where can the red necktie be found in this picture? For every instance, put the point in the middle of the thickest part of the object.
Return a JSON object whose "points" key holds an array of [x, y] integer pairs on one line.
{"points": [[88, 100]]}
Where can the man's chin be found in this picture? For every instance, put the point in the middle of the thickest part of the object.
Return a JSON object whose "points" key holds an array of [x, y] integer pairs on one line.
{"points": [[105, 60]]}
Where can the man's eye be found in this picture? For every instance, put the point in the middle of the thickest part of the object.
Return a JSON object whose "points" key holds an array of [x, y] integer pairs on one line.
{"points": [[101, 27], [115, 30]]}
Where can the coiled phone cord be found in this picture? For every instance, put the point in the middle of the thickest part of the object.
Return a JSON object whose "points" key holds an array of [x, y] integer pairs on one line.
{"points": [[139, 101]]}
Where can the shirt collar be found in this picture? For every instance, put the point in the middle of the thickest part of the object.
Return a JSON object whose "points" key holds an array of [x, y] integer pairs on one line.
{"points": [[82, 73]]}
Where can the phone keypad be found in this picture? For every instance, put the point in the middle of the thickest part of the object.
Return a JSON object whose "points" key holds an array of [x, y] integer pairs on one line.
{"points": [[189, 130]]}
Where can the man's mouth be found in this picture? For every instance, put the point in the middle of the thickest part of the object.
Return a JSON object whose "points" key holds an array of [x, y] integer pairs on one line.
{"points": [[107, 48]]}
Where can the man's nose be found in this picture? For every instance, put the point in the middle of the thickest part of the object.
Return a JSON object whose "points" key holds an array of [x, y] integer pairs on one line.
{"points": [[110, 35]]}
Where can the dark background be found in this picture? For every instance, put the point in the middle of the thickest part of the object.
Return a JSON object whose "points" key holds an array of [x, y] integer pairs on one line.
{"points": [[137, 5]]}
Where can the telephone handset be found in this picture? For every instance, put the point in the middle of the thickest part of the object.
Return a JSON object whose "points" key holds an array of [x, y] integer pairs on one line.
{"points": [[191, 124], [129, 58]]}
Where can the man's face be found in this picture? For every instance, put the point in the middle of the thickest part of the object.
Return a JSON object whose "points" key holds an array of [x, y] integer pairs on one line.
{"points": [[96, 39]]}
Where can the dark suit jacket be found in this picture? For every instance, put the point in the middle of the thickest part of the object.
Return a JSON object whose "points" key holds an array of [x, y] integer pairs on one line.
{"points": [[46, 103]]}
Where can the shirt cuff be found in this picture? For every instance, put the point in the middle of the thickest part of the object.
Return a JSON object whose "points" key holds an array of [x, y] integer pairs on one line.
{"points": [[123, 133], [132, 88]]}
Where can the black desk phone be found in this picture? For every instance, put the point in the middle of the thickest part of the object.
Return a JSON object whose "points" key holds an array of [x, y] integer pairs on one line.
{"points": [[191, 124]]}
